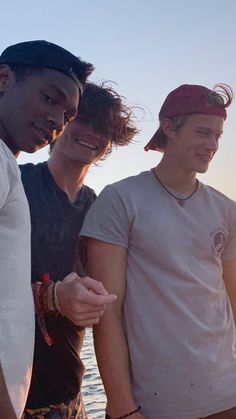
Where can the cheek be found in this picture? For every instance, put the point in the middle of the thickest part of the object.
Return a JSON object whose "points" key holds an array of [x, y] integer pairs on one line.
{"points": [[107, 148], [104, 146]]}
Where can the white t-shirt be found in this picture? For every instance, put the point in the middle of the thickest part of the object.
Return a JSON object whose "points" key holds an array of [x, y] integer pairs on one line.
{"points": [[16, 300], [178, 319]]}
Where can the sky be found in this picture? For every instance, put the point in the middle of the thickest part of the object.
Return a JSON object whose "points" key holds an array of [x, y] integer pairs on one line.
{"points": [[148, 48]]}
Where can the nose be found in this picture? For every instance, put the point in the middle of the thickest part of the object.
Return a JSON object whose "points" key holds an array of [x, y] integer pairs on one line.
{"points": [[56, 120], [212, 142]]}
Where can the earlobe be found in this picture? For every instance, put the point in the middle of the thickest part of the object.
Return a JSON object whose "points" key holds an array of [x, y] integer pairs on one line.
{"points": [[6, 78]]}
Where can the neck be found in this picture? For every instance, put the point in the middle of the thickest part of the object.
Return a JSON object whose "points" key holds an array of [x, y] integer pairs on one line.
{"points": [[175, 178], [68, 176]]}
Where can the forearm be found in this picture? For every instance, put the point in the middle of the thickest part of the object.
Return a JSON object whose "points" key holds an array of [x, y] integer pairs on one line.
{"points": [[113, 362], [107, 263]]}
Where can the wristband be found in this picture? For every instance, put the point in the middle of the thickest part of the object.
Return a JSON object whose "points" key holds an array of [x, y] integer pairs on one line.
{"points": [[126, 414]]}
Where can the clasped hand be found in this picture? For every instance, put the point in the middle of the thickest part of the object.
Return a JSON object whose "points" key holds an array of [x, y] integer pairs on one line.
{"points": [[82, 300]]}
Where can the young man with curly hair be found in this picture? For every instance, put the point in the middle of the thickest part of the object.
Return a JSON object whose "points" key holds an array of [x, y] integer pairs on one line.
{"points": [[165, 244], [58, 201]]}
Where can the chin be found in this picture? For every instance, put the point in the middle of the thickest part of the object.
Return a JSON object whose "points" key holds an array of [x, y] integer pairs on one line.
{"points": [[30, 148], [202, 169]]}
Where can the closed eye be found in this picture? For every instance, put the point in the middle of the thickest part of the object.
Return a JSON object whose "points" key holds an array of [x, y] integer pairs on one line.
{"points": [[70, 116], [204, 132], [48, 99], [67, 118]]}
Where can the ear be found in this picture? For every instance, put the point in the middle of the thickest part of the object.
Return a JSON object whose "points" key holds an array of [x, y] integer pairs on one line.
{"points": [[7, 78], [168, 128]]}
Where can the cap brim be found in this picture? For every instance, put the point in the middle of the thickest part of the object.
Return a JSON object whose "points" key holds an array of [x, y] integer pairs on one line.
{"points": [[152, 144]]}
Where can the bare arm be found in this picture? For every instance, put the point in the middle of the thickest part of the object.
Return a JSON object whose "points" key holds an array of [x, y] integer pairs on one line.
{"points": [[107, 263], [229, 275]]}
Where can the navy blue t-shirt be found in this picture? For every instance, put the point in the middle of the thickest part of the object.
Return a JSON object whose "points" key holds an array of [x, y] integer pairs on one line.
{"points": [[56, 223]]}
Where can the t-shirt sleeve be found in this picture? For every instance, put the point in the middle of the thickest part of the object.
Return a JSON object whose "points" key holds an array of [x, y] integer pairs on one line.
{"points": [[4, 180], [229, 251], [107, 219]]}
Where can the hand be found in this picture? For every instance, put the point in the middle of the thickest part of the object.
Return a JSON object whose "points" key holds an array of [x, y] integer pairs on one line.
{"points": [[82, 300]]}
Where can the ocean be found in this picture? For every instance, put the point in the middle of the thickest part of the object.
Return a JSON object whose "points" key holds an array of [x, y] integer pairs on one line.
{"points": [[92, 389]]}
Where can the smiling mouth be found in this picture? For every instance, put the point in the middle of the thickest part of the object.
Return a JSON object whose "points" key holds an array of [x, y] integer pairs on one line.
{"points": [[87, 144], [206, 157]]}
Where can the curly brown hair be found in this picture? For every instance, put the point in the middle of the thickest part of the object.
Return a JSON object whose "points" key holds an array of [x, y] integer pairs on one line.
{"points": [[106, 110]]}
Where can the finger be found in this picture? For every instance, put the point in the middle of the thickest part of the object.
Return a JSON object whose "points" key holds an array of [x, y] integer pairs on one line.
{"points": [[95, 286], [111, 298], [86, 308], [88, 316], [96, 300]]}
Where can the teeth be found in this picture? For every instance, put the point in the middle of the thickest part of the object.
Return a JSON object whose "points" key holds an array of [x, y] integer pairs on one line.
{"points": [[89, 145]]}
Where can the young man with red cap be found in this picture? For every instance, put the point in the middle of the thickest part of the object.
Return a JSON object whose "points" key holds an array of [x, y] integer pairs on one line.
{"points": [[165, 244], [40, 88]]}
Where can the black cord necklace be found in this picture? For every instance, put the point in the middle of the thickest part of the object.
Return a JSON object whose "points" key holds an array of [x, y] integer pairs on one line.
{"points": [[181, 201]]}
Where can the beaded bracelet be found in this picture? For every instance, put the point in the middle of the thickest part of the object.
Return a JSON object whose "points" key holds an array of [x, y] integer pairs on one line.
{"points": [[126, 415], [55, 302], [40, 292]]}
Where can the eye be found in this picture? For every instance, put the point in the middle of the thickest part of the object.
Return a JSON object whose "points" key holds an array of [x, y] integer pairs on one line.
{"points": [[203, 132], [48, 99], [69, 116]]}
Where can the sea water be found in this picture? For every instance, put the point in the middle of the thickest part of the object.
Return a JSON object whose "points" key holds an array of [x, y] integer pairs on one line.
{"points": [[93, 391]]}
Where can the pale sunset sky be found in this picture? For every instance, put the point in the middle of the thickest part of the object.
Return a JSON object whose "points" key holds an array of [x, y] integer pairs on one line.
{"points": [[148, 48]]}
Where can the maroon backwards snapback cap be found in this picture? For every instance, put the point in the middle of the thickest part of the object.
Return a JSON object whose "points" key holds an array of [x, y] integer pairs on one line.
{"points": [[187, 99]]}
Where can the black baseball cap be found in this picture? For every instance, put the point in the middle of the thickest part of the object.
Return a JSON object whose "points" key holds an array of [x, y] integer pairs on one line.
{"points": [[46, 54]]}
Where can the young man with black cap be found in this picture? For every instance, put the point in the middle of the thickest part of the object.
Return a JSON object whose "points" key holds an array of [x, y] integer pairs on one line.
{"points": [[40, 88], [58, 201], [165, 244]]}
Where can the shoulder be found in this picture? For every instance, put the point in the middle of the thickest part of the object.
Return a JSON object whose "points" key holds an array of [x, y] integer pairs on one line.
{"points": [[33, 174], [29, 168], [87, 197], [35, 180], [122, 198], [87, 191], [132, 183]]}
